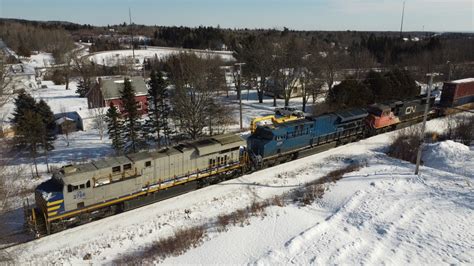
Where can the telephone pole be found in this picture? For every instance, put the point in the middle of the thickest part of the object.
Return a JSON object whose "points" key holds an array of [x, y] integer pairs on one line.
{"points": [[425, 118], [239, 88]]}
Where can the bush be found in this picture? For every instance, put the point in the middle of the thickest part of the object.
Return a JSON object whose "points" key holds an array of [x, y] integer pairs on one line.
{"points": [[339, 173], [177, 244], [277, 201], [460, 129], [57, 77], [239, 217], [222, 222], [310, 193], [464, 130], [405, 145]]}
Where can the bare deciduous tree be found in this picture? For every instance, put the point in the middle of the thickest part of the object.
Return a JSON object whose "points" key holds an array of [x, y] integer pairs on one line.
{"points": [[361, 60], [99, 120], [333, 61], [289, 66], [257, 53], [197, 82], [5, 95]]}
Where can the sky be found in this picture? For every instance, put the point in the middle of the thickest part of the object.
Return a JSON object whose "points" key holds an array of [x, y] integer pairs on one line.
{"points": [[374, 15]]}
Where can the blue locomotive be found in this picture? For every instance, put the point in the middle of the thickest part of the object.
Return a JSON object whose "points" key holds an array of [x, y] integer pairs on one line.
{"points": [[288, 139]]}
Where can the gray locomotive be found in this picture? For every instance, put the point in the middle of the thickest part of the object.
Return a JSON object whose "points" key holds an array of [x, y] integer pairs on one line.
{"points": [[79, 193]]}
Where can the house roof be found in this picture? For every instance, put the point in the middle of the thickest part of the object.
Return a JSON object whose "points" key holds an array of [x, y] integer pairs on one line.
{"points": [[112, 88], [61, 120], [21, 70]]}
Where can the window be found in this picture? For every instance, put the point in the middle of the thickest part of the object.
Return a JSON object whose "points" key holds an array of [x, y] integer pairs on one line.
{"points": [[80, 205], [127, 166], [71, 188], [148, 164], [116, 169]]}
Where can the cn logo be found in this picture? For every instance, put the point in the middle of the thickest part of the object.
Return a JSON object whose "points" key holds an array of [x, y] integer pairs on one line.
{"points": [[410, 110]]}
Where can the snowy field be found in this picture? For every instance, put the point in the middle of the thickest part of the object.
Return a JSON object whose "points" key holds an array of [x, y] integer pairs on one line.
{"points": [[40, 60], [382, 214], [112, 58]]}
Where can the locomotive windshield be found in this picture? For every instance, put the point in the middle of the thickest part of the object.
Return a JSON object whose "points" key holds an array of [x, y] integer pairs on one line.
{"points": [[264, 133]]}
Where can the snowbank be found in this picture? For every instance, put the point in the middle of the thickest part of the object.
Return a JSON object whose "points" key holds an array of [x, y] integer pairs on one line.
{"points": [[450, 156]]}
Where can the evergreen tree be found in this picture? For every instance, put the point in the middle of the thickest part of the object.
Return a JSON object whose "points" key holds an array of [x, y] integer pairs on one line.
{"points": [[30, 133], [115, 128], [23, 103], [350, 93], [130, 111], [34, 126], [158, 108], [82, 88], [48, 120]]}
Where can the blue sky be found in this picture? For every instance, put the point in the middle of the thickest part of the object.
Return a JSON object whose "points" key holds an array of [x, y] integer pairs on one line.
{"points": [[434, 15]]}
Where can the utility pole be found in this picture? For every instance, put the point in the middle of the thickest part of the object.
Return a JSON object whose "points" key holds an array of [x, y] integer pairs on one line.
{"points": [[403, 16], [239, 88], [425, 117], [449, 70]]}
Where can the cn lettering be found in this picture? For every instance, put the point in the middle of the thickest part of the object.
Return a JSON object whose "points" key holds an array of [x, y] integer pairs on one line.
{"points": [[410, 110]]}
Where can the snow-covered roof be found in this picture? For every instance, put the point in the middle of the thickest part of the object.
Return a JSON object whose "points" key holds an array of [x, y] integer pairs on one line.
{"points": [[462, 80], [61, 120], [111, 88], [21, 69]]}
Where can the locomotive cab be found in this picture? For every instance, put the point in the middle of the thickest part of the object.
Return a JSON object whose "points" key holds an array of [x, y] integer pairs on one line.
{"points": [[381, 116], [49, 197]]}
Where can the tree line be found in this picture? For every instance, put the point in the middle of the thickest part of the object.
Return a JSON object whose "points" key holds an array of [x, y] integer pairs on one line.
{"points": [[25, 38]]}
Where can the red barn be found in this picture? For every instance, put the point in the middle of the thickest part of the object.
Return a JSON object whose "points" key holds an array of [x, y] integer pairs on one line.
{"points": [[108, 90]]}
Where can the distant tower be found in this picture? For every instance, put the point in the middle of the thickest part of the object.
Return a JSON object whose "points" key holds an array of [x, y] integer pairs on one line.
{"points": [[131, 32], [403, 16]]}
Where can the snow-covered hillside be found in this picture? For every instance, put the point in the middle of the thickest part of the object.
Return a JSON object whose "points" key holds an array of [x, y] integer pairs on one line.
{"points": [[379, 214]]}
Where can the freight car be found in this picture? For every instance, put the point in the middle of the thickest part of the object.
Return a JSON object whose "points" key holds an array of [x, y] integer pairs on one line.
{"points": [[79, 193], [457, 95]]}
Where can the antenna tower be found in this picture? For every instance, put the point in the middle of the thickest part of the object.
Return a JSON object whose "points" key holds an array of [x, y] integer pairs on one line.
{"points": [[403, 16]]}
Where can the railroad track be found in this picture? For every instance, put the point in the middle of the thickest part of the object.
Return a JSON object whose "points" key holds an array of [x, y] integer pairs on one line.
{"points": [[15, 239]]}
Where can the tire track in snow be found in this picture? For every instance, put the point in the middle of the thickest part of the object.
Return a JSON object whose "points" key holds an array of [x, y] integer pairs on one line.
{"points": [[318, 233], [389, 234]]}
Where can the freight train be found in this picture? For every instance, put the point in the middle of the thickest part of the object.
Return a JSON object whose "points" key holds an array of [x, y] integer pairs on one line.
{"points": [[77, 194]]}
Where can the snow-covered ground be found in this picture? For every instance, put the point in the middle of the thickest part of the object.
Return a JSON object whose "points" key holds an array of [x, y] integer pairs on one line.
{"points": [[112, 58], [380, 214], [40, 60]]}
